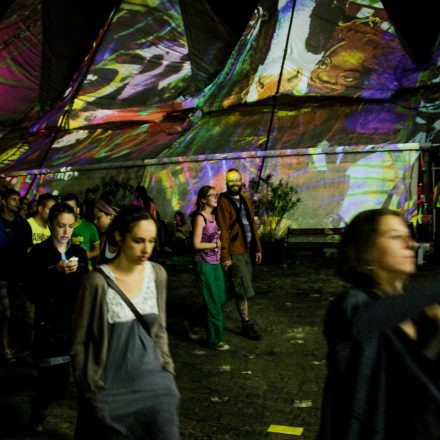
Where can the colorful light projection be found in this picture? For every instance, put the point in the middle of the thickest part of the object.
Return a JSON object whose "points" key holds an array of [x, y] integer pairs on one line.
{"points": [[296, 48], [22, 184], [19, 151], [333, 149], [174, 186], [336, 183], [96, 146], [121, 181], [332, 125], [20, 59], [232, 132], [142, 59]]}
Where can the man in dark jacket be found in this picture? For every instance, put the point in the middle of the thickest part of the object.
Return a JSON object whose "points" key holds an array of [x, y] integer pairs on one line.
{"points": [[15, 241], [239, 239]]}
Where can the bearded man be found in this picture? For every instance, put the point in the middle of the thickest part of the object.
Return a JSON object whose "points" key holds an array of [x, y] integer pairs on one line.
{"points": [[240, 244]]}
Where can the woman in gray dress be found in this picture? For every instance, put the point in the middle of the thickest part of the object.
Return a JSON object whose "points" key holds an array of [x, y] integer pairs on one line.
{"points": [[124, 373]]}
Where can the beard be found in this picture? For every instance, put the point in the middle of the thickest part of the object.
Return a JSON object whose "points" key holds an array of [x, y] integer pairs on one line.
{"points": [[234, 190]]}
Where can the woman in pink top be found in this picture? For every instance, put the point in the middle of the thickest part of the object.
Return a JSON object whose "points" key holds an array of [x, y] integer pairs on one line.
{"points": [[206, 243]]}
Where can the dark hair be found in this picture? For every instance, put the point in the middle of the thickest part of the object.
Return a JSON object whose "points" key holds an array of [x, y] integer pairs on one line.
{"points": [[181, 216], [58, 209], [123, 223], [70, 196], [90, 191], [141, 191], [44, 198], [202, 194], [356, 243], [142, 194], [10, 192]]}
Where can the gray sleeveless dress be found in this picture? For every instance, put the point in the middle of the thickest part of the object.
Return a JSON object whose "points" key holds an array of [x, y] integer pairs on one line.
{"points": [[140, 398]]}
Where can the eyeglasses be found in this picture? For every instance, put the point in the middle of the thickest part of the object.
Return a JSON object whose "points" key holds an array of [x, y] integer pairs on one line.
{"points": [[215, 195]]}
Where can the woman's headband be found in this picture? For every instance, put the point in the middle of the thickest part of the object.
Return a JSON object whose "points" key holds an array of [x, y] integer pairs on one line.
{"points": [[107, 209]]}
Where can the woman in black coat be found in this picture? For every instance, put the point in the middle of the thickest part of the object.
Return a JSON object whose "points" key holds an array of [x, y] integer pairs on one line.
{"points": [[54, 271], [383, 380]]}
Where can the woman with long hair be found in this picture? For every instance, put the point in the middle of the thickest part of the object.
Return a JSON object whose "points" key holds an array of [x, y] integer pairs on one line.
{"points": [[207, 246], [121, 360], [383, 380]]}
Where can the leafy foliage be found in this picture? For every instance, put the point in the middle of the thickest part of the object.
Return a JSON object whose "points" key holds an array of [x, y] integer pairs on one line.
{"points": [[272, 201], [117, 192]]}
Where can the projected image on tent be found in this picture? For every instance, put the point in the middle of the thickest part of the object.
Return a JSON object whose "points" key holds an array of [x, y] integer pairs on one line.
{"points": [[143, 59], [312, 48]]}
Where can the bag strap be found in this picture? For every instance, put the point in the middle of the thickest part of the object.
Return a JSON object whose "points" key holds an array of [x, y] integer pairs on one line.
{"points": [[127, 301]]}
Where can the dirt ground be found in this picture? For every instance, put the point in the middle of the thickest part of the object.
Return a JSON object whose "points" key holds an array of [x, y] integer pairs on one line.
{"points": [[232, 395]]}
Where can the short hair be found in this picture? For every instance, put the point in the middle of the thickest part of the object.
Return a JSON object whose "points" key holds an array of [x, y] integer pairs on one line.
{"points": [[44, 198], [356, 243], [125, 220], [9, 193], [58, 209], [233, 170], [71, 196], [90, 191], [141, 191]]}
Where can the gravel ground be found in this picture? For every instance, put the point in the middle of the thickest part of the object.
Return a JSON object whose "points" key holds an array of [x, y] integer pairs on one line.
{"points": [[237, 394]]}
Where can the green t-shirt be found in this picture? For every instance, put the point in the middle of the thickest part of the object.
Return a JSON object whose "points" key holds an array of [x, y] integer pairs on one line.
{"points": [[85, 234]]}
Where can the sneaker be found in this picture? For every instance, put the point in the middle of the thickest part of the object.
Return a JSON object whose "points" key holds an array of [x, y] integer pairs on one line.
{"points": [[222, 346], [249, 331], [191, 332], [37, 419], [8, 356], [37, 427], [21, 352]]}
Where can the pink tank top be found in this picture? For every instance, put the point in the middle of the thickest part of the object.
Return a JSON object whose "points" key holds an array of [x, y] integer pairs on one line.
{"points": [[210, 234]]}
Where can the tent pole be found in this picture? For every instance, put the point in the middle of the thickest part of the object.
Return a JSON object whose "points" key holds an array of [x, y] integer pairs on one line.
{"points": [[272, 116], [68, 107]]}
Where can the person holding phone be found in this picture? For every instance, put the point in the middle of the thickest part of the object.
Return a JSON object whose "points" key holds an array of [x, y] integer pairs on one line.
{"points": [[54, 270]]}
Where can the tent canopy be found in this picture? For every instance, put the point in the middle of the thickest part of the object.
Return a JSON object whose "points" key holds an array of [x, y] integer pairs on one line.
{"points": [[308, 91]]}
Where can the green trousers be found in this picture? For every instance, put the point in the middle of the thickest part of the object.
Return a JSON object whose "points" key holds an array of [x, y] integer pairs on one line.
{"points": [[212, 286]]}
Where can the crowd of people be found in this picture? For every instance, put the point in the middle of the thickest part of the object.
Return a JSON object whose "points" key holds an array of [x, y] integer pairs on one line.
{"points": [[91, 299], [79, 297]]}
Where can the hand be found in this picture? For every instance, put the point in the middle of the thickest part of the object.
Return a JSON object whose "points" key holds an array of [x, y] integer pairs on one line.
{"points": [[258, 257], [433, 311], [219, 244], [227, 264], [409, 328], [63, 266]]}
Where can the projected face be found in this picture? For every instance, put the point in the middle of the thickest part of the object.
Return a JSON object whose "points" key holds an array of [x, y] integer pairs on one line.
{"points": [[267, 84], [234, 183], [342, 68]]}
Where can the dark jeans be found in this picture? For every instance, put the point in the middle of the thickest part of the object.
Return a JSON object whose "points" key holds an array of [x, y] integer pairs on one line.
{"points": [[53, 383]]}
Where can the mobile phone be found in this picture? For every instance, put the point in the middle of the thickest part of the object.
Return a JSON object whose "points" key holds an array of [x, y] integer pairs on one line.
{"points": [[72, 260]]}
